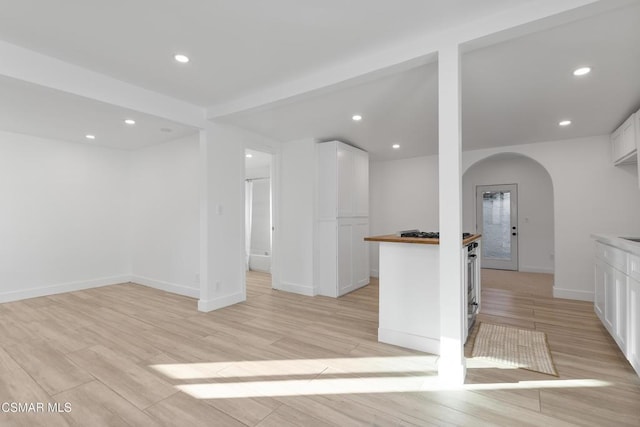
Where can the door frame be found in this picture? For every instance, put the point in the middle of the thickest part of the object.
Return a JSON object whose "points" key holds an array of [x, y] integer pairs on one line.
{"points": [[274, 179], [513, 263]]}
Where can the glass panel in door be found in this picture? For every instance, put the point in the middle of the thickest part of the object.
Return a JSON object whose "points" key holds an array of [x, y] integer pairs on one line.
{"points": [[497, 222]]}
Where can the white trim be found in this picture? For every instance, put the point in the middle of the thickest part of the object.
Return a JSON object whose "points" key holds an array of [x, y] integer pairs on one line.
{"points": [[572, 294], [403, 339], [173, 288], [221, 302], [297, 289], [374, 273], [62, 288], [527, 269]]}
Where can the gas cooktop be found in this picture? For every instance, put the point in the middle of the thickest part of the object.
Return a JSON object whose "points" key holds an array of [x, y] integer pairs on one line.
{"points": [[426, 234]]}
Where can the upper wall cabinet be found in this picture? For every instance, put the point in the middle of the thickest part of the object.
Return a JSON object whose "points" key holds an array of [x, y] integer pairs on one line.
{"points": [[624, 146], [343, 189]]}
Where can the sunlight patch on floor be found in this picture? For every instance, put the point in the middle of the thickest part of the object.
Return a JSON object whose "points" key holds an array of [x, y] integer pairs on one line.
{"points": [[361, 375], [329, 386], [260, 368]]}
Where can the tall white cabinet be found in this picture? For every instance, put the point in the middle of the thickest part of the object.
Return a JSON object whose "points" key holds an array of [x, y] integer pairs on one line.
{"points": [[342, 220]]}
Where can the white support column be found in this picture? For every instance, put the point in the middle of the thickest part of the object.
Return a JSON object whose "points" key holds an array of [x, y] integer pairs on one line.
{"points": [[451, 367], [222, 217], [205, 293]]}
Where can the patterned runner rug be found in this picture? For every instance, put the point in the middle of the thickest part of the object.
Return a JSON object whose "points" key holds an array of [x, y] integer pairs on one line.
{"points": [[522, 348]]}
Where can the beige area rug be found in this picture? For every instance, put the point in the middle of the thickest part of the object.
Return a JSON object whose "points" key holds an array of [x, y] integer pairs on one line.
{"points": [[522, 348]]}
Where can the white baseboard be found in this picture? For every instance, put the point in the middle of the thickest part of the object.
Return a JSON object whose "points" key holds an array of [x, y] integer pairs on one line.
{"points": [[220, 302], [404, 339], [572, 294], [166, 286], [375, 273], [528, 269], [62, 288], [296, 289]]}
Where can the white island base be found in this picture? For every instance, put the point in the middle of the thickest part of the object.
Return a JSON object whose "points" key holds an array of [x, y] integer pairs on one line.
{"points": [[410, 296]]}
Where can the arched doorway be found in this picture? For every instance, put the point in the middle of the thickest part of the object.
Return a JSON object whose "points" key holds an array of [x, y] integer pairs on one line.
{"points": [[511, 195]]}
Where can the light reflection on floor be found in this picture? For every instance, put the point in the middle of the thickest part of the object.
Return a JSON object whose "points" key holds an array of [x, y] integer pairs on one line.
{"points": [[328, 376]]}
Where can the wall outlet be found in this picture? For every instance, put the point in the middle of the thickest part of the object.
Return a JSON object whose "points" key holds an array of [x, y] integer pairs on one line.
{"points": [[217, 285], [197, 277]]}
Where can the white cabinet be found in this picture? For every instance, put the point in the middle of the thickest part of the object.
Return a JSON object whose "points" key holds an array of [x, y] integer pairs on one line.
{"points": [[609, 299], [599, 297], [633, 345], [341, 254], [343, 181], [621, 300], [623, 142], [617, 298], [352, 255]]}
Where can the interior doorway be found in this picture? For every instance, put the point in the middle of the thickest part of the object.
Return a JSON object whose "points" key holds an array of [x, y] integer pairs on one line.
{"points": [[258, 221], [497, 221]]}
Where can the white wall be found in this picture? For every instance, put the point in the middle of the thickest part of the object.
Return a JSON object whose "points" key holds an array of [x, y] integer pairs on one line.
{"points": [[222, 203], [63, 216], [403, 195], [261, 218], [590, 195], [165, 216], [535, 205], [295, 225]]}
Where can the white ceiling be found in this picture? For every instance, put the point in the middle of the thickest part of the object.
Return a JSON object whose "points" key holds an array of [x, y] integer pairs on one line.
{"points": [[401, 108], [235, 46], [36, 110], [257, 163], [516, 92], [513, 92]]}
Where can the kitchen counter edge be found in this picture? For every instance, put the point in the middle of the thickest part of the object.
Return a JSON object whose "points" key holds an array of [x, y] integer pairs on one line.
{"points": [[618, 242], [392, 238]]}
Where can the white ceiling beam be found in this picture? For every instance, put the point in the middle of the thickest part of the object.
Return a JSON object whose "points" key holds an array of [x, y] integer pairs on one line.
{"points": [[511, 23], [33, 67]]}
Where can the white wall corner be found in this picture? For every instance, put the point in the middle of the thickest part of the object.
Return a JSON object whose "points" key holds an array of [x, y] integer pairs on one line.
{"points": [[63, 288], [297, 289], [220, 302], [167, 286], [572, 294]]}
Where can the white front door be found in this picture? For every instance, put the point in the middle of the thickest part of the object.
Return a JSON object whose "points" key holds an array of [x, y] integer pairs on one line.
{"points": [[497, 221]]}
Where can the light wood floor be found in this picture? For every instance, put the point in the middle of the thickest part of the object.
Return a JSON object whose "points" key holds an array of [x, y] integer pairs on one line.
{"points": [[129, 355]]}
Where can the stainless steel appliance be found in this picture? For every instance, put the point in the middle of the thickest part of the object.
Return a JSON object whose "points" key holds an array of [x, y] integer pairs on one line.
{"points": [[472, 277]]}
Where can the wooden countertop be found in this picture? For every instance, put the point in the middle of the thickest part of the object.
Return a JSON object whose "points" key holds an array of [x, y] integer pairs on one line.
{"points": [[392, 238]]}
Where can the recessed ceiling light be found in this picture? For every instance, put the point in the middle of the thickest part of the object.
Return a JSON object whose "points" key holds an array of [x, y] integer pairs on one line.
{"points": [[88, 136], [395, 146], [581, 71], [565, 123], [356, 117], [130, 121], [183, 59], [249, 155]]}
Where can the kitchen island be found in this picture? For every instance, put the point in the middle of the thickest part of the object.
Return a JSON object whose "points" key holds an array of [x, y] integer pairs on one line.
{"points": [[409, 304]]}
